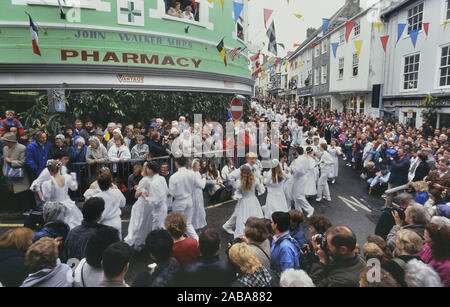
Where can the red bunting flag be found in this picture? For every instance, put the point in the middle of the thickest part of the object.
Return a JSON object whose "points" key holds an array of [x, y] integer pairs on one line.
{"points": [[267, 14], [384, 40], [255, 57], [426, 26], [348, 29], [314, 45]]}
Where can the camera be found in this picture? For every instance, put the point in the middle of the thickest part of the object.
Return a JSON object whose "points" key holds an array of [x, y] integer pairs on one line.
{"points": [[321, 240], [304, 249], [400, 211]]}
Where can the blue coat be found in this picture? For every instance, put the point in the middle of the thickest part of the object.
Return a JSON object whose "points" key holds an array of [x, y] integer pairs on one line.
{"points": [[36, 158], [77, 157], [299, 236], [285, 254], [399, 171], [52, 230]]}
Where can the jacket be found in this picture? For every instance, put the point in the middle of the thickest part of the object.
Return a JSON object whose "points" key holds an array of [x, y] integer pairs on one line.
{"points": [[54, 150], [100, 153], [36, 157], [156, 149], [12, 268], [299, 236], [17, 155], [56, 277], [207, 272], [418, 229], [163, 276], [5, 124], [399, 171], [338, 272], [444, 181], [396, 268], [421, 171], [285, 254], [442, 267], [52, 230], [78, 156]]}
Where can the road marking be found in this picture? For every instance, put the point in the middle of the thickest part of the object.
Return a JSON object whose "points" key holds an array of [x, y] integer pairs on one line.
{"points": [[354, 202], [219, 204], [345, 202]]}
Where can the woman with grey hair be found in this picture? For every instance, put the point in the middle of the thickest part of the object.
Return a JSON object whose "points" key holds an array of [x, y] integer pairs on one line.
{"points": [[419, 274], [96, 152], [54, 215], [58, 147], [140, 150], [295, 278]]}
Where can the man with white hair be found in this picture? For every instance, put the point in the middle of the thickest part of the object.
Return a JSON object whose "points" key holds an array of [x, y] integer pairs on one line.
{"points": [[419, 274], [161, 128], [295, 279]]}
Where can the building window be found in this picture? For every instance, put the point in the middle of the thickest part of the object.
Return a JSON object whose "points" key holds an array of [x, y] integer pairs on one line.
{"points": [[361, 106], [357, 28], [324, 46], [415, 16], [240, 29], [341, 68], [316, 76], [184, 10], [317, 50], [355, 64], [448, 10], [411, 72], [342, 36], [444, 77], [324, 74]]}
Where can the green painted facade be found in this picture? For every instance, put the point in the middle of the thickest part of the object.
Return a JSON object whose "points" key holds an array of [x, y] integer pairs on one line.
{"points": [[99, 39]]}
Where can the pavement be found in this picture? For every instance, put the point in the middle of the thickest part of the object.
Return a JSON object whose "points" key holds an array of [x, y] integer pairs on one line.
{"points": [[350, 206]]}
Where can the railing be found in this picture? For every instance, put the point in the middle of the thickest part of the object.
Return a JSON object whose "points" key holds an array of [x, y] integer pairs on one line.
{"points": [[87, 172]]}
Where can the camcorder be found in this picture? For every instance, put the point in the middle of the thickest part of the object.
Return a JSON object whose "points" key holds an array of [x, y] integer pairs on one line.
{"points": [[321, 240], [399, 210]]}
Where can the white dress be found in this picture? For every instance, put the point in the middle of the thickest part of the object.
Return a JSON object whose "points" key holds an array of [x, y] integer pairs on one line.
{"points": [[114, 200], [53, 192], [247, 206], [148, 213], [335, 152], [311, 178], [199, 214], [275, 201]]}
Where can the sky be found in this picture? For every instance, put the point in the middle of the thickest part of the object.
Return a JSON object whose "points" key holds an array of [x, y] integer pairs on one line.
{"points": [[289, 29]]}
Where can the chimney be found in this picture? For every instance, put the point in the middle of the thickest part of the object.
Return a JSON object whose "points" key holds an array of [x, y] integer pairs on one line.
{"points": [[351, 8], [309, 32]]}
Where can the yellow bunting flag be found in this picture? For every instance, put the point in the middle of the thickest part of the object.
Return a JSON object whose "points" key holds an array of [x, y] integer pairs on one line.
{"points": [[378, 25], [300, 63], [299, 16], [358, 45], [286, 68], [445, 24], [221, 2]]}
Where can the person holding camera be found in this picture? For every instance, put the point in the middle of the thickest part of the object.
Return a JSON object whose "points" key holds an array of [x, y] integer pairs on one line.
{"points": [[386, 220], [399, 173], [338, 264]]}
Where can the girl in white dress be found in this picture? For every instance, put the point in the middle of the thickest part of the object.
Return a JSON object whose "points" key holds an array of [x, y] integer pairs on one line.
{"points": [[335, 151], [275, 200], [248, 204], [56, 190], [311, 180], [150, 210], [199, 214], [289, 180]]}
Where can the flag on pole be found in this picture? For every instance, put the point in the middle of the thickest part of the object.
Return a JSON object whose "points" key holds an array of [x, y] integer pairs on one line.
{"points": [[34, 37], [234, 53], [223, 52], [272, 39]]}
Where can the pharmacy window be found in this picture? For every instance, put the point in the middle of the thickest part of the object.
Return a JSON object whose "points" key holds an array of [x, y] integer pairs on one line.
{"points": [[415, 17], [184, 9], [355, 64]]}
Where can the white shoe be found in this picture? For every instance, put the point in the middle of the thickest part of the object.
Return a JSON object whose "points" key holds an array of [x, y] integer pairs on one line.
{"points": [[228, 229], [328, 199], [318, 199], [333, 181]]}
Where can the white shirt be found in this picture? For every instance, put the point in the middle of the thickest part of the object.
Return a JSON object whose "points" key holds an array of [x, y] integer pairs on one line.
{"points": [[181, 184]]}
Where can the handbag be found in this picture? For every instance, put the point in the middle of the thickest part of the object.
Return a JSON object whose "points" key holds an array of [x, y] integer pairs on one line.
{"points": [[13, 173]]}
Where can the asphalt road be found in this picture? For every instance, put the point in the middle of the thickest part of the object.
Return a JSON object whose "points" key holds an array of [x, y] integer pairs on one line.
{"points": [[350, 205]]}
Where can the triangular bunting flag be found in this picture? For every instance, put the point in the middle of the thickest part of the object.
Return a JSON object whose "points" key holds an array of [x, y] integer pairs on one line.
{"points": [[272, 39], [313, 45], [325, 23], [378, 25], [281, 45], [299, 16], [348, 29], [384, 40], [237, 10], [426, 26], [335, 47], [222, 3], [267, 14], [400, 29], [445, 24], [358, 45], [413, 34]]}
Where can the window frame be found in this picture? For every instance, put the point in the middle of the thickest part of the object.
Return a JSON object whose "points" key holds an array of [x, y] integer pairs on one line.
{"points": [[341, 77], [324, 46], [316, 76], [357, 27], [447, 10], [409, 73], [447, 67], [355, 56], [418, 25], [324, 74], [342, 36]]}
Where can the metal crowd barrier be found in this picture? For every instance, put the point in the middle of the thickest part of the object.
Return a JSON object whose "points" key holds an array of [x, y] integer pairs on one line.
{"points": [[87, 173]]}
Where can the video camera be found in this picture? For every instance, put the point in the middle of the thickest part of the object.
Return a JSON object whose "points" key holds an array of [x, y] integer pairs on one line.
{"points": [[400, 211]]}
